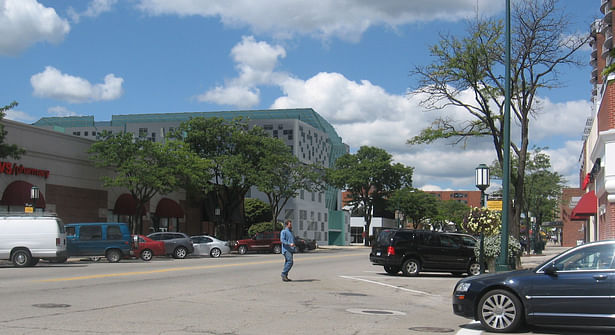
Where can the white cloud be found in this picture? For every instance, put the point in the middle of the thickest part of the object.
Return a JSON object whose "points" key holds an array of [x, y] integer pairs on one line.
{"points": [[17, 115], [60, 111], [52, 83], [25, 22], [256, 62], [324, 18], [94, 9], [366, 114]]}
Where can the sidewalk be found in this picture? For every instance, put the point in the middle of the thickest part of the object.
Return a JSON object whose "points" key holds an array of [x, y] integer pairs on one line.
{"points": [[531, 261]]}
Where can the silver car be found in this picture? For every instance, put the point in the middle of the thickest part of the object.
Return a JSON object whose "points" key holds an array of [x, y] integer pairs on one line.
{"points": [[207, 245]]}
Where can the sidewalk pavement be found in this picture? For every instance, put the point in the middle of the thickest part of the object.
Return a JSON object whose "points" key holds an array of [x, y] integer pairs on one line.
{"points": [[531, 261]]}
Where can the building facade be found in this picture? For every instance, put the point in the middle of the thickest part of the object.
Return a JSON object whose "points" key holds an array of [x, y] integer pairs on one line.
{"points": [[317, 215], [596, 207]]}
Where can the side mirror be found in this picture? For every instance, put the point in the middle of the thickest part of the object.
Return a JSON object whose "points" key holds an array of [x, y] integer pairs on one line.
{"points": [[551, 270]]}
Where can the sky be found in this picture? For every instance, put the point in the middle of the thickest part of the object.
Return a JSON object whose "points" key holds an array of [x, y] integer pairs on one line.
{"points": [[349, 60]]}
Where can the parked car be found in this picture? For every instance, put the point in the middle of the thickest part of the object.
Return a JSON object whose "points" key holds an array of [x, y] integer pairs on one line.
{"points": [[146, 248], [305, 244], [575, 287], [178, 245], [109, 239], [208, 245], [24, 240], [266, 241], [413, 251]]}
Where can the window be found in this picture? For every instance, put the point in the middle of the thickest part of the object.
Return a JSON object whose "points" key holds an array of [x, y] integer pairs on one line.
{"points": [[77, 133], [153, 137], [85, 133], [289, 214], [590, 258], [356, 234], [313, 196], [446, 241], [268, 127], [322, 226], [302, 193], [114, 233], [319, 197], [319, 216], [70, 231], [90, 233], [326, 218], [142, 132]]}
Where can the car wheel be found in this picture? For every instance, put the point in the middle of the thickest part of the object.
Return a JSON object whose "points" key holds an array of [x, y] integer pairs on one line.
{"points": [[113, 255], [474, 269], [180, 253], [21, 258], [500, 311], [146, 255], [215, 253], [277, 249], [392, 270], [242, 249], [411, 267]]}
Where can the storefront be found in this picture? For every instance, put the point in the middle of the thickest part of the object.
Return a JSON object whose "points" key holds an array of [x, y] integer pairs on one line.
{"points": [[70, 186]]}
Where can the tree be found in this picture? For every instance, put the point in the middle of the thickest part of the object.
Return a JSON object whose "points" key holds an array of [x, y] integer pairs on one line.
{"points": [[256, 210], [418, 206], [451, 211], [282, 175], [369, 175], [236, 152], [476, 63], [8, 150], [146, 168]]}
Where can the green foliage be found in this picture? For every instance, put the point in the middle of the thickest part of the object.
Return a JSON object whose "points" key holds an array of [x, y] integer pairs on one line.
{"points": [[414, 204], [451, 211], [492, 246], [369, 175], [281, 175], [147, 168], [8, 150], [256, 210], [263, 227], [482, 220]]}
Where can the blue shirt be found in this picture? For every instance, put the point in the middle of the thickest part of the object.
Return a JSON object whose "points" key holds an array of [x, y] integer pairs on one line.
{"points": [[287, 238]]}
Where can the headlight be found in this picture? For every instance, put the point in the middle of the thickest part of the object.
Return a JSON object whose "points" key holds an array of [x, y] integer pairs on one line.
{"points": [[463, 287]]}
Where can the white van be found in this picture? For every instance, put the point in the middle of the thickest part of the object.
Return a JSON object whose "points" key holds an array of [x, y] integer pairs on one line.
{"points": [[25, 239]]}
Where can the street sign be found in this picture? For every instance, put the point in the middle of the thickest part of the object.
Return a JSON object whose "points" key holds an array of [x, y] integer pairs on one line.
{"points": [[494, 205]]}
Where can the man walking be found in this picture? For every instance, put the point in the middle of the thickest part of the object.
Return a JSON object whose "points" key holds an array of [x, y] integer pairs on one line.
{"points": [[288, 248]]}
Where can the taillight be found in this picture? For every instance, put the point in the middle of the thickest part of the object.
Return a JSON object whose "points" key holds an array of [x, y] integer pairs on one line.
{"points": [[390, 251], [58, 240]]}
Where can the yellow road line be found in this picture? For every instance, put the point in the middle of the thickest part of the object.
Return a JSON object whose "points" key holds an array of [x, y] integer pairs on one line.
{"points": [[187, 268]]}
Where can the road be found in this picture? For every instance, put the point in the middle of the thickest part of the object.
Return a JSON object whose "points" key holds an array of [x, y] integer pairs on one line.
{"points": [[332, 292]]}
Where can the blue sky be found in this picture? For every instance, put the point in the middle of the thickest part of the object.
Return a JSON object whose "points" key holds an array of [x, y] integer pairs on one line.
{"points": [[349, 60]]}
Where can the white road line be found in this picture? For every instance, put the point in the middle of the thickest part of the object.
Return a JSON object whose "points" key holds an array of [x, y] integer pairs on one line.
{"points": [[389, 285], [465, 331]]}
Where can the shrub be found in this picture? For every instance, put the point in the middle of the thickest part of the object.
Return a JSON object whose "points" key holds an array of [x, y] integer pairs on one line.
{"points": [[492, 246], [482, 220]]}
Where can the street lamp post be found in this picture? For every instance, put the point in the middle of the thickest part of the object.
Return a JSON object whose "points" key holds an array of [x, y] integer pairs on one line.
{"points": [[35, 193], [482, 183]]}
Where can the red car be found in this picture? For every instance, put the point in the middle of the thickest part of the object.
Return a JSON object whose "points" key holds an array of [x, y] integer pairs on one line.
{"points": [[146, 248], [267, 241]]}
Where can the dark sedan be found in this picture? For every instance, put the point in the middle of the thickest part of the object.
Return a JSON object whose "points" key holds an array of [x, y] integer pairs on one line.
{"points": [[575, 287], [305, 244]]}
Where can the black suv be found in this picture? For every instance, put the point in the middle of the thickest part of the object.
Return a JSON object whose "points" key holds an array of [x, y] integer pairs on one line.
{"points": [[179, 245], [412, 251]]}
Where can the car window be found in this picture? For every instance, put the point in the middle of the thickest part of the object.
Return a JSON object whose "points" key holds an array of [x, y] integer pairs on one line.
{"points": [[448, 241], [141, 239], [590, 258], [428, 239], [259, 236], [385, 237], [90, 233], [207, 240], [114, 233], [70, 231], [468, 241], [155, 237]]}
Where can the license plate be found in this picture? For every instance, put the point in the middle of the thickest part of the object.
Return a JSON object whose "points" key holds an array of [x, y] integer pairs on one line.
{"points": [[378, 253]]}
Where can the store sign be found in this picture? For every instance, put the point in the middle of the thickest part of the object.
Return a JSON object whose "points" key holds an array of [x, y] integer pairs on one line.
{"points": [[494, 205], [15, 169]]}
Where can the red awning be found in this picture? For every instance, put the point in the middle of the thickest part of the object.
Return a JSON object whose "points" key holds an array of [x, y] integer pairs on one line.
{"points": [[18, 194], [587, 206], [125, 205], [168, 208]]}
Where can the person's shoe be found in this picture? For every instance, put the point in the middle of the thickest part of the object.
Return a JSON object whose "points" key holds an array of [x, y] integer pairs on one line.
{"points": [[285, 278]]}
